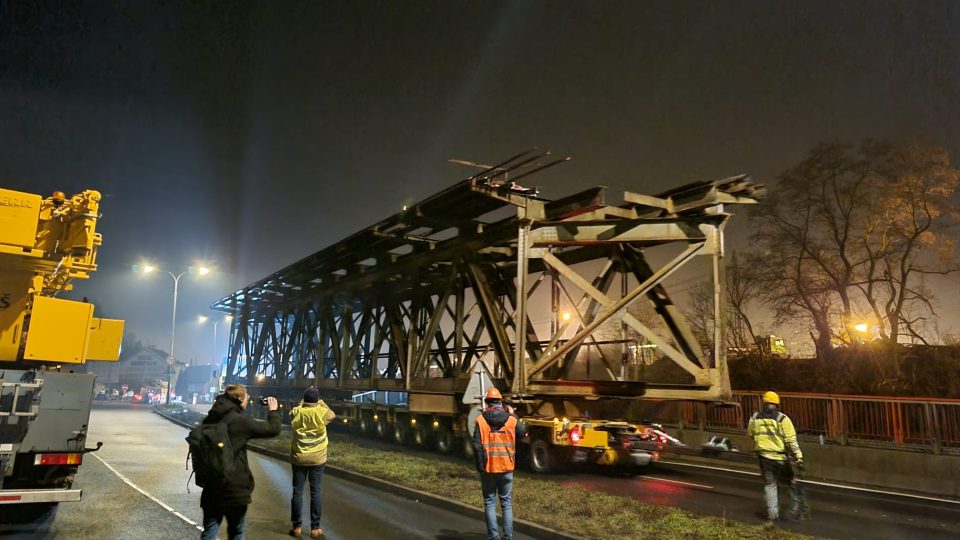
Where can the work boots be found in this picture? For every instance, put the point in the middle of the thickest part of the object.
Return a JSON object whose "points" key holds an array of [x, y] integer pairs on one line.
{"points": [[771, 520], [296, 532]]}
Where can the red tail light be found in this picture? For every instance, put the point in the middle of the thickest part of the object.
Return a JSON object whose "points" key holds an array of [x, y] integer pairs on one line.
{"points": [[72, 458], [575, 436]]}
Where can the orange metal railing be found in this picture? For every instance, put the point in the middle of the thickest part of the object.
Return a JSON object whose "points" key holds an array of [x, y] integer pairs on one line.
{"points": [[908, 423]]}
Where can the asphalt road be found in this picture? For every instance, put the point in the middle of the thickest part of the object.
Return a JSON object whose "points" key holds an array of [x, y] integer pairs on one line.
{"points": [[837, 513], [136, 486]]}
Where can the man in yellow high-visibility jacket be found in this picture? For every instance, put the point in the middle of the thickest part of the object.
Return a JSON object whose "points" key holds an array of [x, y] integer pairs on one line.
{"points": [[308, 455], [778, 452]]}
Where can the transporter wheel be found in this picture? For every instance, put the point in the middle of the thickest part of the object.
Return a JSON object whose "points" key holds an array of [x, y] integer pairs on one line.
{"points": [[366, 425], [466, 447], [542, 459], [421, 437], [383, 430], [445, 439], [399, 432]]}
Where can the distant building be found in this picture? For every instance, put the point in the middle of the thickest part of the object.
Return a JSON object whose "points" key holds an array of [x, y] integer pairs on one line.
{"points": [[142, 366], [200, 380]]}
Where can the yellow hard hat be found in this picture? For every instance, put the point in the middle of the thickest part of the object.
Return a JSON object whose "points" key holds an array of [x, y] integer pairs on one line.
{"points": [[771, 397]]}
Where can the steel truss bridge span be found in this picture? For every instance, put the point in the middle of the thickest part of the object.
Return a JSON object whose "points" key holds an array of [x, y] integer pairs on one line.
{"points": [[489, 272]]}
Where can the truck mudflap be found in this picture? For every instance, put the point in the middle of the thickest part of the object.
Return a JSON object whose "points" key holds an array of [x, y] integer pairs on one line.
{"points": [[23, 496]]}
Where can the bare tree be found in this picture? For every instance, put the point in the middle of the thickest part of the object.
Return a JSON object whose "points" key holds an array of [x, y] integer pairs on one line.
{"points": [[699, 313], [741, 292], [913, 236], [791, 262], [852, 227]]}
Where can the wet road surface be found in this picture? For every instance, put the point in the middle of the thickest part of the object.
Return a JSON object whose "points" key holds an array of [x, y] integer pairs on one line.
{"points": [[837, 513], [136, 486]]}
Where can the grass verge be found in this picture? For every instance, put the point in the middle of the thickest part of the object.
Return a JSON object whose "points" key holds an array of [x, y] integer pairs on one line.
{"points": [[592, 515]]}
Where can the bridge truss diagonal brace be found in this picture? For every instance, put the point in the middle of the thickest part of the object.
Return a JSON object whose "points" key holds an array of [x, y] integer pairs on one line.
{"points": [[678, 357], [614, 307]]}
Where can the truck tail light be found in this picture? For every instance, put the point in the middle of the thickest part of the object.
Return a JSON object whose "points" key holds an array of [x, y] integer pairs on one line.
{"points": [[71, 458], [575, 436]]}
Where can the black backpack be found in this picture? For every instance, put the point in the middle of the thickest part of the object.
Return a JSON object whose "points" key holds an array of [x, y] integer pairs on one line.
{"points": [[214, 458]]}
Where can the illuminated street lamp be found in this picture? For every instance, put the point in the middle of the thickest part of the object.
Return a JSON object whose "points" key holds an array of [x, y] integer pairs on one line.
{"points": [[200, 270], [201, 319]]}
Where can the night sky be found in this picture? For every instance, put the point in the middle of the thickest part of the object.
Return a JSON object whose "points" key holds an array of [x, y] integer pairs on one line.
{"points": [[252, 134]]}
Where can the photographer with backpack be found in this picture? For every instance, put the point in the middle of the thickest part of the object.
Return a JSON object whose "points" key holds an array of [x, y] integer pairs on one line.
{"points": [[219, 450]]}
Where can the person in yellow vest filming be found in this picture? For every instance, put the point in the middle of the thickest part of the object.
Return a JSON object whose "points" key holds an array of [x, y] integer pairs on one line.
{"points": [[779, 453], [308, 455], [495, 446]]}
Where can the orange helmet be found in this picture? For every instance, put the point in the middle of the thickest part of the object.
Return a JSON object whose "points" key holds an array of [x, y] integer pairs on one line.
{"points": [[493, 393]]}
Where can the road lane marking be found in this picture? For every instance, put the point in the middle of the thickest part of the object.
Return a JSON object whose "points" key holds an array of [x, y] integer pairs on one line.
{"points": [[826, 484], [884, 492], [162, 504], [711, 467], [674, 481]]}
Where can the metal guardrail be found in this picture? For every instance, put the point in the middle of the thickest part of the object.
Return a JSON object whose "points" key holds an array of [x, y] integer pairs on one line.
{"points": [[381, 397], [921, 424]]}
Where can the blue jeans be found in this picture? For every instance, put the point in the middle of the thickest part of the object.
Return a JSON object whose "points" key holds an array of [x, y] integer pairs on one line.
{"points": [[780, 472], [235, 522], [496, 485], [301, 473]]}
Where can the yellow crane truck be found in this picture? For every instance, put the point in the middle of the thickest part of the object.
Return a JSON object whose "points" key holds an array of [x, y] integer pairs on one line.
{"points": [[45, 244]]}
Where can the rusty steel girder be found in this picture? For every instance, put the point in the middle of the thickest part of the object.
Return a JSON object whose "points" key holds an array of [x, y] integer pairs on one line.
{"points": [[413, 302]]}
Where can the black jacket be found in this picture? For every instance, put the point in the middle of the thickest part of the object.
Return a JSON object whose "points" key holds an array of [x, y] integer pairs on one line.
{"points": [[496, 417], [239, 488]]}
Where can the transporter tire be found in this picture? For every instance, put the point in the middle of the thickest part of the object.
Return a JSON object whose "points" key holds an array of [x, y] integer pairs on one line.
{"points": [[366, 425], [383, 430], [542, 457], [399, 432], [466, 447], [421, 437], [445, 439]]}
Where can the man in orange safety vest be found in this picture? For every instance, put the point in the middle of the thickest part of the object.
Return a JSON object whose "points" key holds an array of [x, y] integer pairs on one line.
{"points": [[495, 447]]}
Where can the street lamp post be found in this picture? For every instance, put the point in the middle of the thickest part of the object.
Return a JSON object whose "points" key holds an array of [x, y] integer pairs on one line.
{"points": [[226, 319], [171, 359], [216, 322]]}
